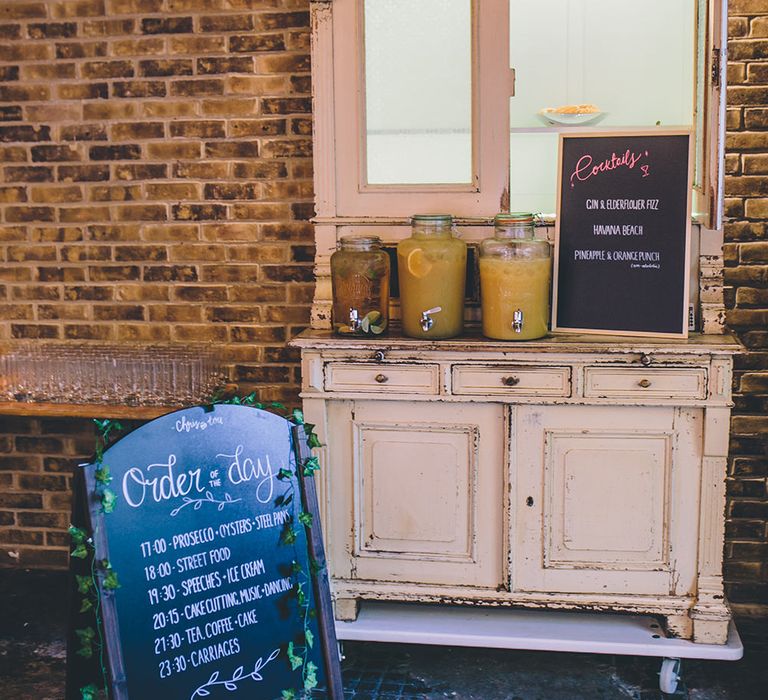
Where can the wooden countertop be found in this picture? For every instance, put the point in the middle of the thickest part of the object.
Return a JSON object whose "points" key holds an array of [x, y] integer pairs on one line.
{"points": [[554, 343], [65, 410]]}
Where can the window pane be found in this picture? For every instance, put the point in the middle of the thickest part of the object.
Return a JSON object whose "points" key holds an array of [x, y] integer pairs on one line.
{"points": [[533, 176], [418, 91], [633, 60]]}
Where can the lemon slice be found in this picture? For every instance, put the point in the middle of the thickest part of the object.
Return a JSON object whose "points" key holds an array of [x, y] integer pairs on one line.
{"points": [[417, 263]]}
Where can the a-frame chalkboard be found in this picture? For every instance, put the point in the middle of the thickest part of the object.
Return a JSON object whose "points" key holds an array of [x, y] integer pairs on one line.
{"points": [[214, 538]]}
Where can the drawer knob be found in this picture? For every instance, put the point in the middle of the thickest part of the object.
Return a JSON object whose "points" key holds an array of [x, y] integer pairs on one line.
{"points": [[381, 378], [645, 383], [510, 381]]}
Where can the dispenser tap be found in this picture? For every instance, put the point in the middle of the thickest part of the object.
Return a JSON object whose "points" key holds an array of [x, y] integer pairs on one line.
{"points": [[426, 318], [354, 320], [517, 321]]}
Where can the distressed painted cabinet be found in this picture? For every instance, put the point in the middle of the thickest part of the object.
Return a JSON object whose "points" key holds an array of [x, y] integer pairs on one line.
{"points": [[571, 472]]}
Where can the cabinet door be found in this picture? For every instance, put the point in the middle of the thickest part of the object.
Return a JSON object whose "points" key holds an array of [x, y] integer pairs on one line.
{"points": [[605, 499], [417, 490]]}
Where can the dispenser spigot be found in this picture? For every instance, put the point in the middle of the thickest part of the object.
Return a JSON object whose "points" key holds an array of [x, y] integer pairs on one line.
{"points": [[354, 320], [426, 318], [517, 321]]}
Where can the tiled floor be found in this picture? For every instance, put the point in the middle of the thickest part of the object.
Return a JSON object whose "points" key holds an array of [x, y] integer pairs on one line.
{"points": [[32, 662]]}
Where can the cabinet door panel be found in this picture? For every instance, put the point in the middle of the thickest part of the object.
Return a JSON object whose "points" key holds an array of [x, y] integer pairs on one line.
{"points": [[605, 499], [417, 489], [627, 528], [420, 488]]}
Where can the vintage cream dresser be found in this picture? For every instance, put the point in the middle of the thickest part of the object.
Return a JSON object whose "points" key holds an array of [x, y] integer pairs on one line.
{"points": [[574, 472]]}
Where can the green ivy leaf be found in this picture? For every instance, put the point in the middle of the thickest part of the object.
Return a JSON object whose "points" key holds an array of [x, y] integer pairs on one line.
{"points": [[295, 567], [298, 416], [86, 605], [295, 660], [86, 634], [301, 596], [311, 465], [279, 406], [86, 651], [310, 677], [78, 535], [102, 475], [108, 500], [288, 535], [289, 694], [89, 692], [110, 581], [309, 637], [284, 474], [305, 518], [313, 441], [84, 584], [80, 552]]}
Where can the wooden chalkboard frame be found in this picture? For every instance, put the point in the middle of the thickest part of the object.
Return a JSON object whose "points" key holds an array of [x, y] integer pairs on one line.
{"points": [[87, 509], [559, 226]]}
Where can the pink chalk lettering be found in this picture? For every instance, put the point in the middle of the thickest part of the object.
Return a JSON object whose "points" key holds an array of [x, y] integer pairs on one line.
{"points": [[586, 167]]}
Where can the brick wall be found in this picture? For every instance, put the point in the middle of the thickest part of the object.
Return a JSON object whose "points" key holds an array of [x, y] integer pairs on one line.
{"points": [[155, 185], [746, 277]]}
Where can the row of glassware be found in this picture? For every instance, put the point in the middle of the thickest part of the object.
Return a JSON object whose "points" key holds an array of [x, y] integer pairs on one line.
{"points": [[85, 373], [515, 276]]}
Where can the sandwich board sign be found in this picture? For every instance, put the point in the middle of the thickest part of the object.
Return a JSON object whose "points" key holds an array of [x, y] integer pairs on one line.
{"points": [[207, 569]]}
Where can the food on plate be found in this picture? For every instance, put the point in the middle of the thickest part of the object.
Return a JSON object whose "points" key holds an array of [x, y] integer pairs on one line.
{"points": [[572, 109]]}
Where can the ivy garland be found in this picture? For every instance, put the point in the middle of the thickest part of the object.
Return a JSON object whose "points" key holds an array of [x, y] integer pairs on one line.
{"points": [[298, 654], [90, 638]]}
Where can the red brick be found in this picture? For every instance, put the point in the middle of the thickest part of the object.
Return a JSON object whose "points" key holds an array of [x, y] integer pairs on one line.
{"points": [[166, 25]]}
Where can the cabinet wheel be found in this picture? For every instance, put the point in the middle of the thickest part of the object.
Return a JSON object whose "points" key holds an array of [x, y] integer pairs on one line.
{"points": [[669, 676]]}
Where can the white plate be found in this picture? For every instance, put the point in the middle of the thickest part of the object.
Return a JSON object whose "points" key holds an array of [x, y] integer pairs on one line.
{"points": [[572, 119]]}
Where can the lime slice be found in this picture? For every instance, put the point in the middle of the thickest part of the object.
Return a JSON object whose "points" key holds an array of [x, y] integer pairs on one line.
{"points": [[417, 263]]}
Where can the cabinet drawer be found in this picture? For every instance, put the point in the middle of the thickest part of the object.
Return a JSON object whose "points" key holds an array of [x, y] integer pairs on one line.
{"points": [[483, 380], [683, 383], [367, 378]]}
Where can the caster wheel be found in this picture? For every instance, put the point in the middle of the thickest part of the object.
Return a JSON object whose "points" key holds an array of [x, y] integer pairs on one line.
{"points": [[669, 676]]}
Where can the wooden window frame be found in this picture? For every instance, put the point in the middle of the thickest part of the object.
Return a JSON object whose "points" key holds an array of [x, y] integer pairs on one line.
{"points": [[339, 110], [338, 70]]}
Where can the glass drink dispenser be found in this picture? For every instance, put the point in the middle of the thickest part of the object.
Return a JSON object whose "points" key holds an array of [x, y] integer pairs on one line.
{"points": [[432, 268], [360, 283], [515, 275]]}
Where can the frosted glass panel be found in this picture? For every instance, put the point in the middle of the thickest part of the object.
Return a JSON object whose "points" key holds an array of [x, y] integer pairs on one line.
{"points": [[418, 91], [533, 172], [634, 60]]}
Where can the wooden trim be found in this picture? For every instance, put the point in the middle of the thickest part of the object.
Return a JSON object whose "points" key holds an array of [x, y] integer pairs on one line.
{"points": [[323, 124], [110, 627], [320, 585]]}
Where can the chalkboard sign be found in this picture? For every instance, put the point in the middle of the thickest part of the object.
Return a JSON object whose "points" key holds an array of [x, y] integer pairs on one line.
{"points": [[222, 593], [623, 233]]}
